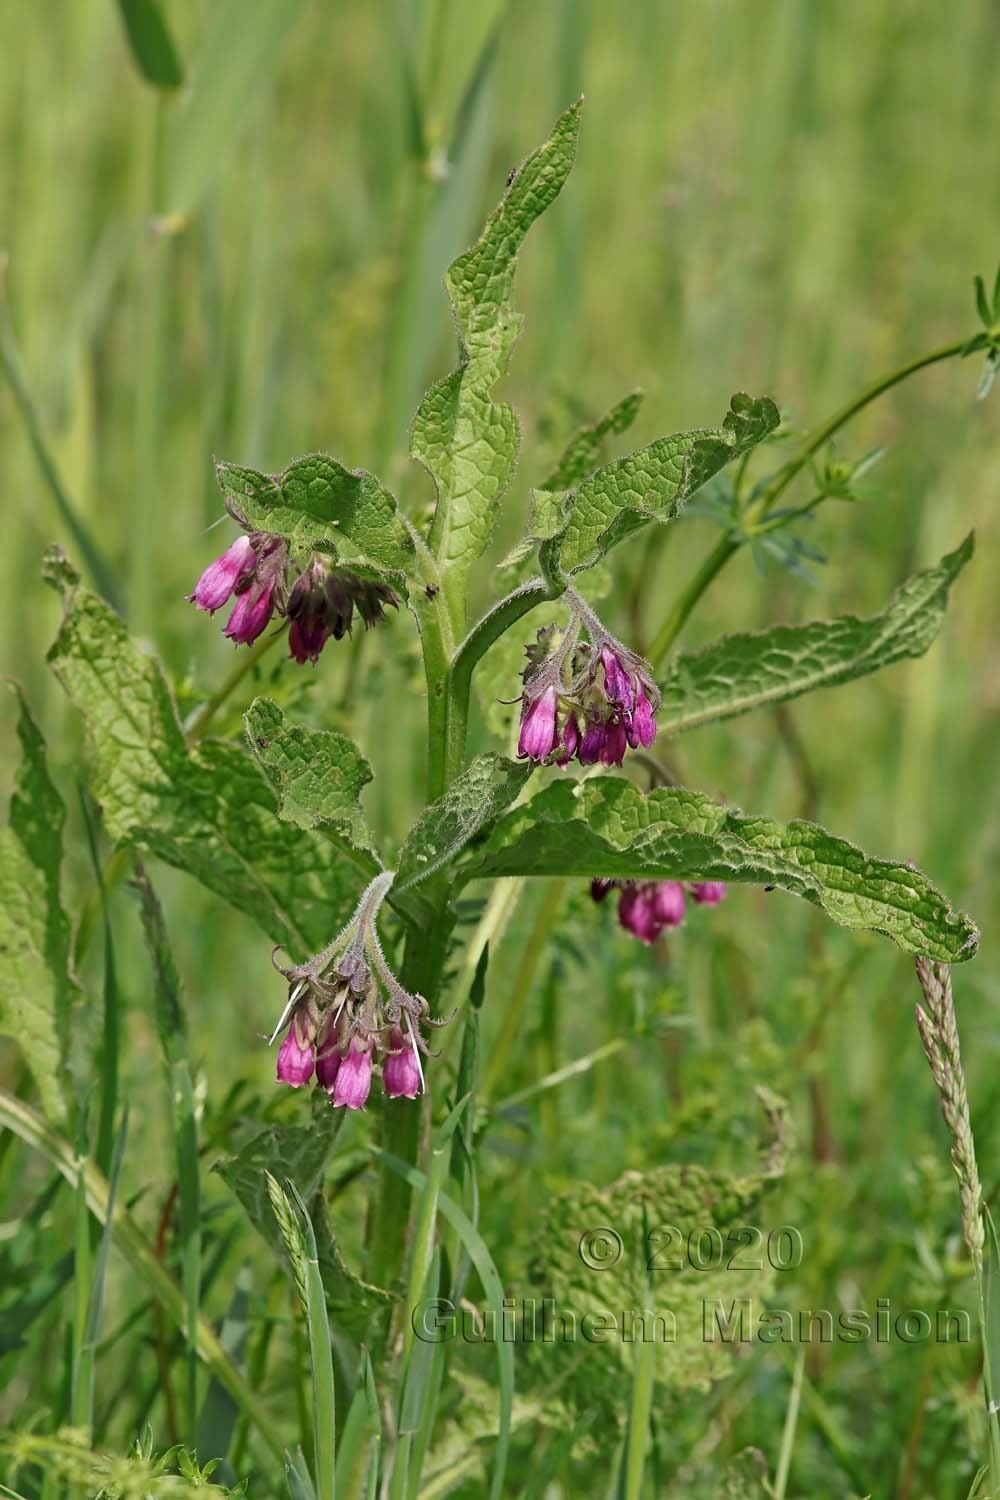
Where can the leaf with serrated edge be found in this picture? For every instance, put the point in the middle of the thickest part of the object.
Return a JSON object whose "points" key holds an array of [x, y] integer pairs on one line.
{"points": [[653, 483], [35, 983], [316, 500], [609, 828], [751, 670], [467, 442], [206, 809], [317, 774], [481, 793]]}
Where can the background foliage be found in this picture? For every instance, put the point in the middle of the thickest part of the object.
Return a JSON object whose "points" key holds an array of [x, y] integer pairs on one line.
{"points": [[787, 199]]}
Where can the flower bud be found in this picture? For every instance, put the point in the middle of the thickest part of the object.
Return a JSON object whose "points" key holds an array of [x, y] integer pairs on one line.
{"points": [[354, 1076], [220, 578], [539, 732], [707, 892]]}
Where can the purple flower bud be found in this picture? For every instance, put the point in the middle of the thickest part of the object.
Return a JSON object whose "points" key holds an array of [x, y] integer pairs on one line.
{"points": [[642, 730], [295, 1062], [539, 730], [327, 1066], [637, 913], [615, 742], [707, 892], [617, 684], [306, 639], [570, 740], [668, 902], [354, 1076], [219, 579], [251, 613], [600, 887], [592, 745], [401, 1071]]}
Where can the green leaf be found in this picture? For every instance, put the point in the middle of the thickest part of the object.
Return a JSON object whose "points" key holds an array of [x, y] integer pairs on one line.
{"points": [[149, 39], [316, 500], [351, 1301], [582, 453], [474, 799], [653, 483], [467, 442], [982, 301], [608, 827], [293, 1153], [317, 774], [205, 808], [750, 670], [35, 984], [637, 1233]]}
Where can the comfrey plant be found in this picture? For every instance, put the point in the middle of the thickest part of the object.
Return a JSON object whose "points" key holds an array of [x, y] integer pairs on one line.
{"points": [[276, 827]]}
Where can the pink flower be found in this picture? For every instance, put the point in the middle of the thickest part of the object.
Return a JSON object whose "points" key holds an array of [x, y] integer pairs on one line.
{"points": [[251, 613], [295, 1062], [615, 741], [668, 902], [637, 912], [707, 892], [539, 731], [401, 1071], [642, 730], [592, 745], [570, 740], [354, 1076], [220, 578], [327, 1067]]}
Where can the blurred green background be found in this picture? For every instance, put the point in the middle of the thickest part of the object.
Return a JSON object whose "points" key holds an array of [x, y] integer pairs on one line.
{"points": [[786, 198]]}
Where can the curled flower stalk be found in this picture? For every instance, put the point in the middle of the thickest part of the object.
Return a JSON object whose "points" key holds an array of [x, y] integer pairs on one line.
{"points": [[590, 698], [317, 596], [347, 1013]]}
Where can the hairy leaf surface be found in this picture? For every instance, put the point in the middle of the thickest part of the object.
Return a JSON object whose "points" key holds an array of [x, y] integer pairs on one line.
{"points": [[206, 809], [652, 484], [317, 774], [751, 670], [35, 984], [480, 794], [608, 827], [316, 500], [468, 442]]}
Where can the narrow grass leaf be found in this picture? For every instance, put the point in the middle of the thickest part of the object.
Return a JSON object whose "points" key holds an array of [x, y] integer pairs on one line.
{"points": [[150, 43]]}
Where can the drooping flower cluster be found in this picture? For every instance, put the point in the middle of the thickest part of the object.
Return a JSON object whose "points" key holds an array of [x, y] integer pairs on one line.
{"points": [[648, 907], [590, 699], [256, 570], [347, 1012]]}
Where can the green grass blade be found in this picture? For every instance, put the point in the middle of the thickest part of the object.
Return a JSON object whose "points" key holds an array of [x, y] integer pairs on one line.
{"points": [[230, 74], [82, 1400], [300, 1241], [31, 1128], [10, 361], [150, 43], [480, 1256], [111, 1035]]}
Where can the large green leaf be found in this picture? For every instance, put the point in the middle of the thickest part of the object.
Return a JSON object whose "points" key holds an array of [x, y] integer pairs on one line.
{"points": [[750, 670], [650, 485], [35, 986], [206, 808], [317, 500], [608, 827], [318, 777], [476, 798], [467, 441]]}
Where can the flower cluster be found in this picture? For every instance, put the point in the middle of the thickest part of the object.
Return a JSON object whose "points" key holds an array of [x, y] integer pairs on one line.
{"points": [[647, 907], [320, 603], [589, 699], [346, 1011]]}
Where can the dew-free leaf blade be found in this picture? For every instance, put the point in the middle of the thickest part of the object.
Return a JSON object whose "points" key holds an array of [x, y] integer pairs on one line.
{"points": [[317, 500], [653, 483], [317, 775], [205, 808], [35, 984], [150, 43], [480, 794], [608, 827], [468, 442], [754, 669]]}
